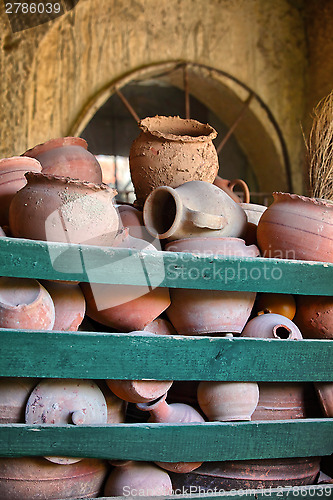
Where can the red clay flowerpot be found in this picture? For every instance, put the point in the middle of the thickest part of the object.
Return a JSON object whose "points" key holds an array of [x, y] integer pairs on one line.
{"points": [[14, 394], [69, 304], [67, 157], [274, 326], [314, 316]]}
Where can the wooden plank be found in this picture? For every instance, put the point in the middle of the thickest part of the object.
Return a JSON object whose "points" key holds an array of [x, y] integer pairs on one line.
{"points": [[136, 356], [60, 261], [212, 441]]}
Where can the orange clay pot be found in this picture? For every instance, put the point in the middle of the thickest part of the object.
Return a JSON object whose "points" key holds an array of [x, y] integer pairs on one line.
{"points": [[272, 326], [314, 316], [69, 304], [14, 394], [278, 303], [229, 186], [116, 407], [139, 391]]}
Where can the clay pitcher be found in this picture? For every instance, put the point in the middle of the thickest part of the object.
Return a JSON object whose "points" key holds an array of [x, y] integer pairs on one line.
{"points": [[229, 186], [193, 209], [171, 151]]}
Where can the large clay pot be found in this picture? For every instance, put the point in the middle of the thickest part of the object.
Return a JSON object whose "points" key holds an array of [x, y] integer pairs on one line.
{"points": [[24, 303], [69, 304], [272, 326], [139, 391], [194, 209], [12, 179], [37, 478], [14, 394], [253, 214], [314, 316], [67, 157], [297, 227], [325, 394], [202, 312], [61, 209], [227, 401], [229, 186], [171, 151], [278, 303]]}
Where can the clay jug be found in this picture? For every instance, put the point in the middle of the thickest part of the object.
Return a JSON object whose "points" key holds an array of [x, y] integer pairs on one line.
{"points": [[314, 316], [272, 326], [61, 209], [171, 151], [297, 227], [278, 303], [253, 213], [14, 394], [67, 157], [229, 186], [24, 303], [139, 391], [194, 209], [202, 312], [325, 394], [12, 179], [69, 305]]}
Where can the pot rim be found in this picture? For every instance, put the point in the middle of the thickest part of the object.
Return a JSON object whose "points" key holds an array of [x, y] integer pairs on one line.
{"points": [[297, 197], [149, 125], [5, 163], [148, 219], [54, 143], [40, 289]]}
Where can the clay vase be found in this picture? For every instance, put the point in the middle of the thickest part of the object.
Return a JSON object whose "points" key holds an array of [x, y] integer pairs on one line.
{"points": [[194, 209], [65, 210], [66, 401], [142, 479], [12, 179], [160, 327], [36, 478], [14, 394], [169, 152], [67, 157], [139, 391], [202, 312], [272, 326], [25, 304], [278, 303], [297, 227], [228, 401], [253, 213], [314, 316], [69, 305], [162, 412], [229, 186], [325, 395]]}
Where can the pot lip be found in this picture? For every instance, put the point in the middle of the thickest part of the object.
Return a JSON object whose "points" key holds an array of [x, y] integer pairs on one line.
{"points": [[253, 207], [297, 197], [213, 240], [208, 133], [57, 142], [37, 298], [179, 211], [5, 164]]}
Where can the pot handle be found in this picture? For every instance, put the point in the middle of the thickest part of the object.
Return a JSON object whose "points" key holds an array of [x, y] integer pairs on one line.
{"points": [[244, 187], [209, 221]]}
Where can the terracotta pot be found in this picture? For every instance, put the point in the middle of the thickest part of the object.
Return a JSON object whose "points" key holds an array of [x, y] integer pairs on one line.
{"points": [[25, 304], [12, 179], [64, 401], [226, 401], [202, 312], [272, 326], [171, 151], [61, 209], [253, 213], [297, 227], [278, 303], [67, 157], [138, 479], [160, 327], [314, 316], [132, 219], [14, 394], [36, 478], [229, 186], [325, 394], [139, 391], [116, 407], [69, 304], [194, 209]]}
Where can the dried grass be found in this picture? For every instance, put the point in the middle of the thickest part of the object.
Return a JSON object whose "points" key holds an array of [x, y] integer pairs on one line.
{"points": [[320, 150]]}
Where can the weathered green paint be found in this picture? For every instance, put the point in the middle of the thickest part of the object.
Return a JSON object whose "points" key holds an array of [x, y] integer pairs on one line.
{"points": [[60, 261], [212, 441], [134, 356]]}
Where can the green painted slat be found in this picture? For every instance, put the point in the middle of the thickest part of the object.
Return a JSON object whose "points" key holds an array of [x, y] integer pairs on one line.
{"points": [[129, 356], [212, 441], [60, 261]]}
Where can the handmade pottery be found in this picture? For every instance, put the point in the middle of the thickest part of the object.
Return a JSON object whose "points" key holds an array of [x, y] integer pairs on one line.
{"points": [[325, 394], [194, 209], [272, 326], [229, 186], [12, 179], [171, 151], [69, 305], [51, 208], [278, 303], [67, 157], [297, 227], [253, 214], [202, 312], [160, 327], [116, 407], [227, 401], [25, 304], [132, 219], [14, 394], [139, 391], [314, 316]]}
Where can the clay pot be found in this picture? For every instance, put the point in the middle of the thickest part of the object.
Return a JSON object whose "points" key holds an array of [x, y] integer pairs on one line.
{"points": [[171, 151], [297, 227], [278, 303], [314, 316], [139, 391], [229, 186], [253, 213], [67, 157], [132, 219], [272, 326], [64, 401], [14, 394], [12, 179], [194, 209], [160, 327], [36, 478], [69, 304], [202, 312], [138, 479], [25, 304], [325, 394], [61, 209], [116, 407], [227, 401]]}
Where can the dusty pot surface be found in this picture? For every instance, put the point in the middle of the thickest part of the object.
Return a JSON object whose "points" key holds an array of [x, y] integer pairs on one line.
{"points": [[273, 326], [297, 227], [325, 394], [69, 304], [51, 208], [139, 391], [314, 316], [67, 157], [170, 151], [278, 303], [194, 209], [14, 394], [228, 187]]}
